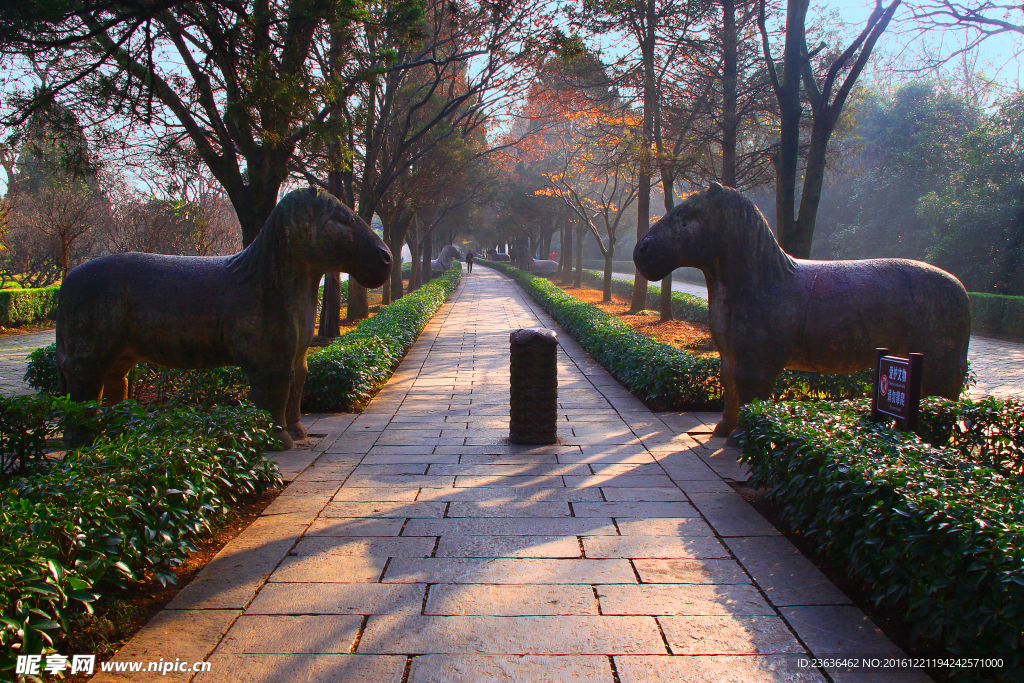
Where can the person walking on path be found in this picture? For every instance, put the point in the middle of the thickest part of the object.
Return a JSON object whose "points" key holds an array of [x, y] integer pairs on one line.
{"points": [[469, 261]]}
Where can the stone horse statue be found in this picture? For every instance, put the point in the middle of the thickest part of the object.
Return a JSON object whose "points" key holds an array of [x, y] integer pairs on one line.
{"points": [[449, 253], [493, 255], [527, 262], [770, 311], [255, 309]]}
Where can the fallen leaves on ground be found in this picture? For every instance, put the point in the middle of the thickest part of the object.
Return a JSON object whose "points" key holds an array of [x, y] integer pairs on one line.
{"points": [[678, 333]]}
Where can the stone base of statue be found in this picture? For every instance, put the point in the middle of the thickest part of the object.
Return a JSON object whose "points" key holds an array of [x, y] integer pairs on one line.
{"points": [[534, 386]]}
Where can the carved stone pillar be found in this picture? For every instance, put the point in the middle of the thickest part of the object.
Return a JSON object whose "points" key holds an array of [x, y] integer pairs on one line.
{"points": [[534, 386]]}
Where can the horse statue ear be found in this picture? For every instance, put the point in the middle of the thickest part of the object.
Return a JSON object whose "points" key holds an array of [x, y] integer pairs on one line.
{"points": [[715, 188], [313, 190]]}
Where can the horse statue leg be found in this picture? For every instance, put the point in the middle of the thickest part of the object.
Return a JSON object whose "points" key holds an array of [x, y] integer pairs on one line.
{"points": [[115, 382], [742, 383], [293, 413], [269, 389]]}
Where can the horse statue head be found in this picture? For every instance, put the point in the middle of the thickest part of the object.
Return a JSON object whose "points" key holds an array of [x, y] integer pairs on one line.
{"points": [[313, 227], [709, 227]]}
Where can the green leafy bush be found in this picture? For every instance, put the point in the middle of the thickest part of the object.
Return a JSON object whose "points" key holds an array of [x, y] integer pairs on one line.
{"points": [[25, 425], [661, 376], [987, 431], [136, 500], [997, 315], [227, 385], [936, 534], [26, 306], [41, 372], [346, 373]]}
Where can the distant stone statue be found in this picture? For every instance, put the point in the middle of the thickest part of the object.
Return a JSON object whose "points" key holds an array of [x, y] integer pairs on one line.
{"points": [[493, 255], [444, 260], [256, 309], [770, 311], [527, 262]]}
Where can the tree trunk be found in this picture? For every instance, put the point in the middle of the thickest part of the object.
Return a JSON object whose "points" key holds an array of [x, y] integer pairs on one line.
{"points": [[800, 241], [385, 290], [330, 306], [567, 255], [790, 110], [426, 274], [643, 200], [253, 205], [606, 284], [398, 232], [577, 280], [730, 122], [330, 313], [358, 305], [643, 219], [396, 273], [412, 240], [666, 299]]}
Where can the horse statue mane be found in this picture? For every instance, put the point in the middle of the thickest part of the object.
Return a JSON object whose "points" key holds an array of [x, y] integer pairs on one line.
{"points": [[770, 311], [740, 225], [449, 253], [292, 225]]}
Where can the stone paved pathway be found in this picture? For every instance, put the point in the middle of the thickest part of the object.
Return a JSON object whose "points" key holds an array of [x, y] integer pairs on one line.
{"points": [[999, 366], [14, 352], [414, 544]]}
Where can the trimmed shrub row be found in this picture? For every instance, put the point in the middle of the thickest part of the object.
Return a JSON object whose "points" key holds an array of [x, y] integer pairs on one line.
{"points": [[346, 373], [151, 485], [661, 376], [997, 315], [684, 306], [937, 532], [27, 306]]}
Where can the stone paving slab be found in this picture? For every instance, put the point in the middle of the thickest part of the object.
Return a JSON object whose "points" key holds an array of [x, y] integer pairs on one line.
{"points": [[414, 543]]}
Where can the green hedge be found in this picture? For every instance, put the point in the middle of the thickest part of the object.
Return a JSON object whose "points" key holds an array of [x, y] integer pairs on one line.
{"points": [[342, 376], [346, 373], [26, 306], [684, 306], [661, 376], [933, 529], [998, 315], [76, 529]]}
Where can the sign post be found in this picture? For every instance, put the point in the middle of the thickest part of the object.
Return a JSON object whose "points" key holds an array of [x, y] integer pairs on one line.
{"points": [[897, 390]]}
